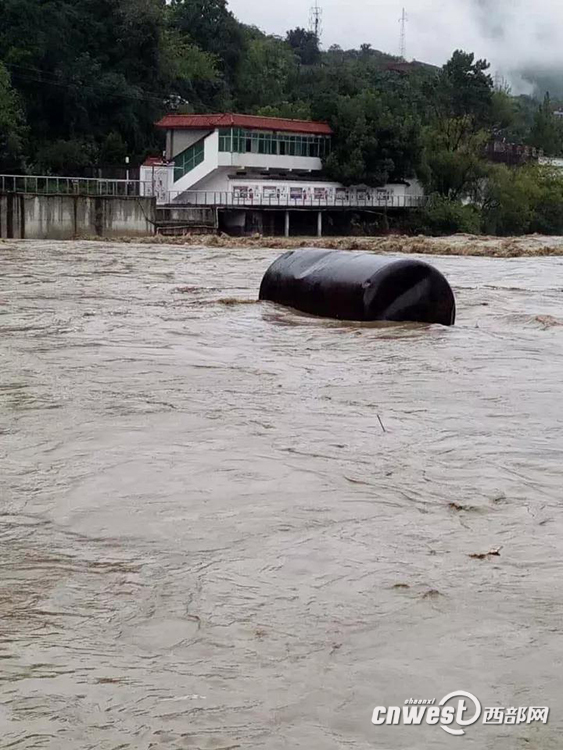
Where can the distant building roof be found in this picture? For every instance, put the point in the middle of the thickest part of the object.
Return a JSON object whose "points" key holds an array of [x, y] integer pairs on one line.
{"points": [[503, 152], [252, 122], [399, 67]]}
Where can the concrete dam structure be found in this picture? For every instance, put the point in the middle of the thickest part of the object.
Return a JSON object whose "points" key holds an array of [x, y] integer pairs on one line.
{"points": [[63, 217]]}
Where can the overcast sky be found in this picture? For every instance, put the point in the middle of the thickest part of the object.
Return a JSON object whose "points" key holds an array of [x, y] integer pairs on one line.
{"points": [[511, 34]]}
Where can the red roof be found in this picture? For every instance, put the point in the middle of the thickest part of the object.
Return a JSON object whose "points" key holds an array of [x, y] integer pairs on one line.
{"points": [[154, 161], [252, 122]]}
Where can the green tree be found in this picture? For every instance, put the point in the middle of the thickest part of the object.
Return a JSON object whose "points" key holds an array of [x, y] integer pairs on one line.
{"points": [[12, 125], [443, 216], [191, 76], [466, 89], [547, 131], [86, 67], [373, 143], [504, 113], [508, 198], [305, 45], [113, 150], [548, 204], [292, 110], [520, 200], [65, 157], [524, 112], [212, 27], [461, 121], [461, 99], [267, 73]]}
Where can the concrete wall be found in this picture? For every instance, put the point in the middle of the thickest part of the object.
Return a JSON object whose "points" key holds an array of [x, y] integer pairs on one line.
{"points": [[217, 181], [187, 215], [52, 217], [270, 161], [156, 181], [209, 164], [11, 216], [179, 140], [221, 180]]}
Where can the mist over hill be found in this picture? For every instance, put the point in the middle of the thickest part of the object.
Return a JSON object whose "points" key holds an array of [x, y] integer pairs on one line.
{"points": [[525, 42]]}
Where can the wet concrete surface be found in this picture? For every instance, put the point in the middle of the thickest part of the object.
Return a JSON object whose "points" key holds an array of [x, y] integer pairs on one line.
{"points": [[225, 524]]}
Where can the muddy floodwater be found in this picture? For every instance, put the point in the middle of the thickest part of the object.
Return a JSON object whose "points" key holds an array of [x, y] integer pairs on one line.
{"points": [[224, 524]]}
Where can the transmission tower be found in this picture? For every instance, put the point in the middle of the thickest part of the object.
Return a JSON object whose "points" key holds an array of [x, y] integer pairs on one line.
{"points": [[316, 20], [403, 39]]}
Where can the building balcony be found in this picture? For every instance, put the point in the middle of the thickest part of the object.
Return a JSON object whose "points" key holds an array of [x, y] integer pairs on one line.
{"points": [[252, 160]]}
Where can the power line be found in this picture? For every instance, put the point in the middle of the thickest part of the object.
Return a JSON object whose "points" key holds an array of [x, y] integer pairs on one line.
{"points": [[403, 38]]}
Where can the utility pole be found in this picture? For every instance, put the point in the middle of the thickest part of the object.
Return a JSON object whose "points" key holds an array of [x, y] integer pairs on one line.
{"points": [[316, 20], [403, 39]]}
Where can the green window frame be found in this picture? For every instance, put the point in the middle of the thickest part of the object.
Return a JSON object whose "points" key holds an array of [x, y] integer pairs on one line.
{"points": [[225, 139], [188, 159], [241, 141]]}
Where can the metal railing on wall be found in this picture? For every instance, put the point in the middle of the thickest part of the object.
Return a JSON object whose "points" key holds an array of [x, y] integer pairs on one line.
{"points": [[89, 186], [49, 185], [352, 200]]}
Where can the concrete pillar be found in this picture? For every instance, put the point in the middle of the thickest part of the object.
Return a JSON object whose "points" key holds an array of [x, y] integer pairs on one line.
{"points": [[287, 223], [320, 224]]}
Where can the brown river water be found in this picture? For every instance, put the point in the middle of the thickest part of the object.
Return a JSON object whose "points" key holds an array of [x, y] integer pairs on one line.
{"points": [[224, 524]]}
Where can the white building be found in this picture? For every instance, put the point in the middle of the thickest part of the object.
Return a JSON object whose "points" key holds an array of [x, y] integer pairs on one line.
{"points": [[246, 160], [548, 161]]}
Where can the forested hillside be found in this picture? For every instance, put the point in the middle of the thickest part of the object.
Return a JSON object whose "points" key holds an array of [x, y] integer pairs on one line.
{"points": [[83, 81]]}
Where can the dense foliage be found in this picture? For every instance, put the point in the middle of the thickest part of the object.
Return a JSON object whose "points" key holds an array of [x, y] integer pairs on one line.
{"points": [[82, 82]]}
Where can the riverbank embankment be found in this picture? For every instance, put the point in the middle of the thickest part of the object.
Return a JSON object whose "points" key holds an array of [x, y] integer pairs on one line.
{"points": [[459, 244]]}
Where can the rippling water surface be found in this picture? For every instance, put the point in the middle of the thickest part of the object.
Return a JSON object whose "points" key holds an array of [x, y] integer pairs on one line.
{"points": [[227, 525]]}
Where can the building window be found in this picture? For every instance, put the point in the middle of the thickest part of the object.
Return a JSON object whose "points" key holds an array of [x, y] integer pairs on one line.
{"points": [[237, 140], [225, 139], [188, 159]]}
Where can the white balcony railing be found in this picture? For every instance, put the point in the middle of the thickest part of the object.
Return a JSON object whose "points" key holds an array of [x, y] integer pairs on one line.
{"points": [[353, 199], [229, 199]]}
